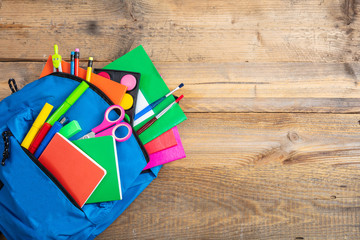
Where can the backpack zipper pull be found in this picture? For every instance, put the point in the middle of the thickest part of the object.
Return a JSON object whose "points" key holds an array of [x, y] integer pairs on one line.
{"points": [[6, 135], [12, 85]]}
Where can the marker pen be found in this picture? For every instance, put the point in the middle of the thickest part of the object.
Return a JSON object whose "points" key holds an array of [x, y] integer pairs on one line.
{"points": [[39, 121]]}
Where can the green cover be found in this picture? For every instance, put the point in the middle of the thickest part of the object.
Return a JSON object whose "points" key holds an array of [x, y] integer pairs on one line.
{"points": [[103, 151], [153, 87]]}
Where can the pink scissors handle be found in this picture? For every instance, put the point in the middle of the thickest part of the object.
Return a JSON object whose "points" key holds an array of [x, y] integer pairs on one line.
{"points": [[111, 131], [106, 123]]}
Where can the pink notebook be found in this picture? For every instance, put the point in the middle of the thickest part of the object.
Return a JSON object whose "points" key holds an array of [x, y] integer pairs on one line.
{"points": [[167, 155]]}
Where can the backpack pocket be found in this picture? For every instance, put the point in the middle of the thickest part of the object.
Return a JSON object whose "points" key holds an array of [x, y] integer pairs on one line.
{"points": [[34, 196]]}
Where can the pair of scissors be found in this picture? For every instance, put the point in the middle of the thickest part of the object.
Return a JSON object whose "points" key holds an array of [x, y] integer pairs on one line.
{"points": [[108, 127]]}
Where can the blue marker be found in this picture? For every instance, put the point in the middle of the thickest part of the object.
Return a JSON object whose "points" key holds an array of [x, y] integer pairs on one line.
{"points": [[72, 58], [54, 129]]}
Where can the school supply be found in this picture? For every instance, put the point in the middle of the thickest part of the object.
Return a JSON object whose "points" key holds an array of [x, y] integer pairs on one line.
{"points": [[89, 69], [109, 127], [132, 81], [31, 195], [153, 87], [56, 60], [64, 107], [162, 142], [103, 151], [72, 63], [167, 155], [54, 129], [157, 117], [76, 171], [39, 121], [76, 63], [50, 205], [70, 129], [115, 91], [157, 102]]}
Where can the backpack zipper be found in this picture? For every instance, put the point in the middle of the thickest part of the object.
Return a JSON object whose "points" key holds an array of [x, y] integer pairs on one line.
{"points": [[6, 135]]}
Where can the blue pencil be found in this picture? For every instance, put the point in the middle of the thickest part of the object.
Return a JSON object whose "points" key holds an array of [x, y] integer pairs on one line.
{"points": [[72, 58]]}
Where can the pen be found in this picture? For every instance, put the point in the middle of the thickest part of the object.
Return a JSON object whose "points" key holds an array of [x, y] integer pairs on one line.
{"points": [[77, 57], [70, 100], [54, 129], [39, 121], [149, 123], [89, 69], [157, 102], [72, 58], [56, 59]]}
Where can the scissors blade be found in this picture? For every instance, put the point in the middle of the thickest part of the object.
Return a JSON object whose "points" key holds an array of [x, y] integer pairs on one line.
{"points": [[89, 135]]}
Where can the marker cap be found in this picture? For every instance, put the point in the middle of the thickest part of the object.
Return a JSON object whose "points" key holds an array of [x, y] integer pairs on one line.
{"points": [[70, 129]]}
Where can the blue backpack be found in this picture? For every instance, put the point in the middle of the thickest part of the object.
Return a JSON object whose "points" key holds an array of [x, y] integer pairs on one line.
{"points": [[33, 204]]}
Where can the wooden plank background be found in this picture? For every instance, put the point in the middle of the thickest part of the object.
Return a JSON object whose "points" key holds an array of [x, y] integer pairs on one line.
{"points": [[271, 93]]}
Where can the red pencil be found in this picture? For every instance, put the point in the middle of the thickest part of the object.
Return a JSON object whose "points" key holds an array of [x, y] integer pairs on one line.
{"points": [[76, 63]]}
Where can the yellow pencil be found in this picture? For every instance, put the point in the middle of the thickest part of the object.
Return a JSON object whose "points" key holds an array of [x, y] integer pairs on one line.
{"points": [[89, 69]]}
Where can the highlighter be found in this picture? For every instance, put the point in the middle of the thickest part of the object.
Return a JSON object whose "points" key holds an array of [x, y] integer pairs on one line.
{"points": [[39, 121], [70, 129], [89, 69], [70, 100], [54, 129]]}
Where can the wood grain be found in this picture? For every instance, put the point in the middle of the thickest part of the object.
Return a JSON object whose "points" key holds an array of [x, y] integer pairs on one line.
{"points": [[271, 93], [185, 31], [241, 87], [254, 176]]}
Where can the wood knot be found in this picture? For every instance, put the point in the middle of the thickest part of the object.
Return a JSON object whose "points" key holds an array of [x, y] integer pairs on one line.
{"points": [[293, 137]]}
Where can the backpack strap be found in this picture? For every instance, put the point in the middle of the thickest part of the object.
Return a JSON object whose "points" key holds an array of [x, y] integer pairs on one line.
{"points": [[13, 85]]}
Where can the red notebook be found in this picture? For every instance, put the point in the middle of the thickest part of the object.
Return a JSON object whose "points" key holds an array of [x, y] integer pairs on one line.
{"points": [[76, 171]]}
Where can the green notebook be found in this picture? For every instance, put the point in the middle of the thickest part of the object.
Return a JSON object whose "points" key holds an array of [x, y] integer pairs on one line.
{"points": [[152, 87], [103, 151]]}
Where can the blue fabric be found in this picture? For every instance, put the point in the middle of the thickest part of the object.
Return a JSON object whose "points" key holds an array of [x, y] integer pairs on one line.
{"points": [[31, 205]]}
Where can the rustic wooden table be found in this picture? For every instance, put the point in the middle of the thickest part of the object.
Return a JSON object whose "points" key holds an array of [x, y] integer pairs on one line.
{"points": [[271, 93]]}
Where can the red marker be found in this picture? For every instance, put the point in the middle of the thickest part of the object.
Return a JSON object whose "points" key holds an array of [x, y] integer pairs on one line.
{"points": [[77, 58], [149, 123], [39, 137]]}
